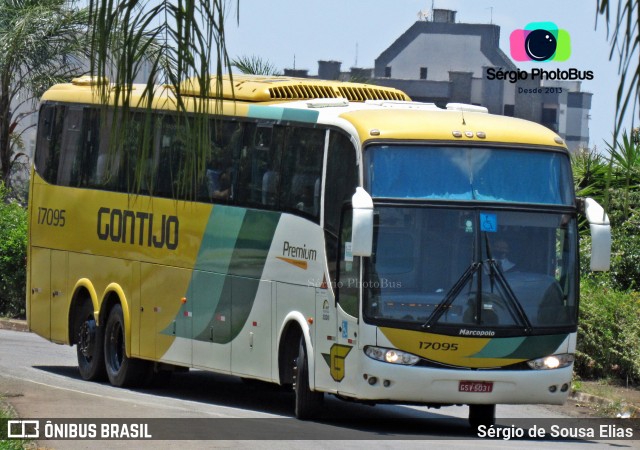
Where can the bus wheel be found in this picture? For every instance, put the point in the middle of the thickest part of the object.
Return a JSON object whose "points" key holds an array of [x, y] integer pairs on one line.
{"points": [[89, 345], [308, 403], [121, 370], [482, 415]]}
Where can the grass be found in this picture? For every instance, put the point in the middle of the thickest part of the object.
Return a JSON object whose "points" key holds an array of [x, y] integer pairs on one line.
{"points": [[617, 396], [8, 413]]}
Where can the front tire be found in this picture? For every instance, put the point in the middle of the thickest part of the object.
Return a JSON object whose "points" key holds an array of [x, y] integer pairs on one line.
{"points": [[121, 370], [90, 344], [482, 415], [308, 403]]}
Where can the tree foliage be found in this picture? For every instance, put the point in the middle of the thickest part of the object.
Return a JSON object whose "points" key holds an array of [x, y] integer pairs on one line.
{"points": [[179, 44], [42, 42], [609, 329], [254, 65], [623, 31], [13, 256]]}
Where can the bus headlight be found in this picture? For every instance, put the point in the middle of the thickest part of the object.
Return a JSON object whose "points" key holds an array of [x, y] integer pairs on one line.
{"points": [[552, 362], [391, 356]]}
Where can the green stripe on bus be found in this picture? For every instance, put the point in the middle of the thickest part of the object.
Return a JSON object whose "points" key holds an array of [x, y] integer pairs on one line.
{"points": [[248, 261], [279, 114], [216, 251], [538, 346], [499, 347], [521, 347], [230, 264], [219, 239]]}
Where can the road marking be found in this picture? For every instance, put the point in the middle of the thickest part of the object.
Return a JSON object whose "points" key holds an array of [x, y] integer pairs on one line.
{"points": [[146, 403]]}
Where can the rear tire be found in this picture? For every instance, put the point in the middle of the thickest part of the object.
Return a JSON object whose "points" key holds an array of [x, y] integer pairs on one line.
{"points": [[121, 370], [89, 344], [482, 415], [308, 403]]}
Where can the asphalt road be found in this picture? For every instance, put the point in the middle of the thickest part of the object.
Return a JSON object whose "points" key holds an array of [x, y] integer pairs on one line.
{"points": [[40, 380]]}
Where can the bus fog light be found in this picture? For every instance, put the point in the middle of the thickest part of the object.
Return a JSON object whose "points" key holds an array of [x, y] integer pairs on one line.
{"points": [[391, 356], [552, 389], [552, 362], [372, 380], [565, 387], [386, 383]]}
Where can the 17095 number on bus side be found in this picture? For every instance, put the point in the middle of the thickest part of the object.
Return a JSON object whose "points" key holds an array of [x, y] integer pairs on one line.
{"points": [[51, 217]]}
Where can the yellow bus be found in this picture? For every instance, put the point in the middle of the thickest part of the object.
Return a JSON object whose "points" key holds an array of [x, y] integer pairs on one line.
{"points": [[342, 240]]}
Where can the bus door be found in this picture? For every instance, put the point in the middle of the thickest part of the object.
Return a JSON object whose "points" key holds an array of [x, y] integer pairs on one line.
{"points": [[344, 364], [326, 342]]}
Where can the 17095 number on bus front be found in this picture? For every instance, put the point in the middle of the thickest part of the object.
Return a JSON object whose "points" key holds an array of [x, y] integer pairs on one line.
{"points": [[443, 346]]}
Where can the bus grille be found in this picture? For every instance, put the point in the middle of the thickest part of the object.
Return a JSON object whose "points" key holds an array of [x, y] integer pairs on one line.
{"points": [[360, 94], [302, 92], [353, 94]]}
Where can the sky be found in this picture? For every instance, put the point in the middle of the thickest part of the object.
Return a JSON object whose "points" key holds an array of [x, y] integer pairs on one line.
{"points": [[298, 33]]}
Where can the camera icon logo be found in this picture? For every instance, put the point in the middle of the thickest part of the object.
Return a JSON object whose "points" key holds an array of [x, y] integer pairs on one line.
{"points": [[541, 42]]}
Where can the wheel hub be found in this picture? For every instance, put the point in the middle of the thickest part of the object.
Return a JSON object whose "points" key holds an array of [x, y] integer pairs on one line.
{"points": [[86, 337]]}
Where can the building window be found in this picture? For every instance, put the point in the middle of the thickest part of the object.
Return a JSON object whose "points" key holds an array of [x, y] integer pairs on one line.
{"points": [[549, 115], [387, 72], [509, 110], [550, 118], [423, 73]]}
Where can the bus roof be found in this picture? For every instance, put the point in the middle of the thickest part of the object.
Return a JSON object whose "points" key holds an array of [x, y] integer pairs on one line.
{"points": [[445, 125], [376, 112]]}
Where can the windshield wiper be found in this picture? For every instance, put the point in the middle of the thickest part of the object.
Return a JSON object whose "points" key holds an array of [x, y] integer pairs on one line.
{"points": [[444, 305], [513, 305], [496, 277]]}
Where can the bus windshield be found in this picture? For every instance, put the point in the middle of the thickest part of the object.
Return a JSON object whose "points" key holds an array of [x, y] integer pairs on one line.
{"points": [[468, 174], [471, 267]]}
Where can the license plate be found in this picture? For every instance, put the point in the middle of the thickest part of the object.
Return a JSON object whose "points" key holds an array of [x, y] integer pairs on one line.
{"points": [[475, 386]]}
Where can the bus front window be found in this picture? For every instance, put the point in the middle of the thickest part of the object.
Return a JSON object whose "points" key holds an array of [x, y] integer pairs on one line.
{"points": [[471, 267]]}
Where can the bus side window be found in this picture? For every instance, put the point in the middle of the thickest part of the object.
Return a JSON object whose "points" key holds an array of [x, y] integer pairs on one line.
{"points": [[263, 157], [71, 145], [86, 159], [49, 141], [271, 177], [128, 150], [106, 175], [243, 157], [171, 148], [220, 172], [302, 166], [258, 181]]}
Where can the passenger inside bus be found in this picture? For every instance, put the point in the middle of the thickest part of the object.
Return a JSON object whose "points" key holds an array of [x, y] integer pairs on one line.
{"points": [[501, 254], [219, 183]]}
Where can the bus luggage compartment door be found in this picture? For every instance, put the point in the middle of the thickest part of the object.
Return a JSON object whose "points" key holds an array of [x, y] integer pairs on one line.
{"points": [[39, 308]]}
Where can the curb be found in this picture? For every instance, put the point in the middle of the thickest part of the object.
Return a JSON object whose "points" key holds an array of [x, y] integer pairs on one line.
{"points": [[581, 397], [14, 325]]}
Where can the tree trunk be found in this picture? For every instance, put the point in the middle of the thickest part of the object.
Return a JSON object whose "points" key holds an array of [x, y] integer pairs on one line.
{"points": [[5, 124]]}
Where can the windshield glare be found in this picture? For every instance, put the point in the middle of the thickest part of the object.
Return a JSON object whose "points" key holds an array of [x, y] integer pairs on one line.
{"points": [[483, 267], [466, 173]]}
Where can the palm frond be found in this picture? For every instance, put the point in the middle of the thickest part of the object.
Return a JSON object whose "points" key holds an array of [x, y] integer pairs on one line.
{"points": [[41, 43], [254, 65], [623, 33], [165, 42]]}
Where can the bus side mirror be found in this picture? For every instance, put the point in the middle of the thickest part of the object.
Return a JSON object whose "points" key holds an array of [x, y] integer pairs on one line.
{"points": [[600, 235], [362, 228]]}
